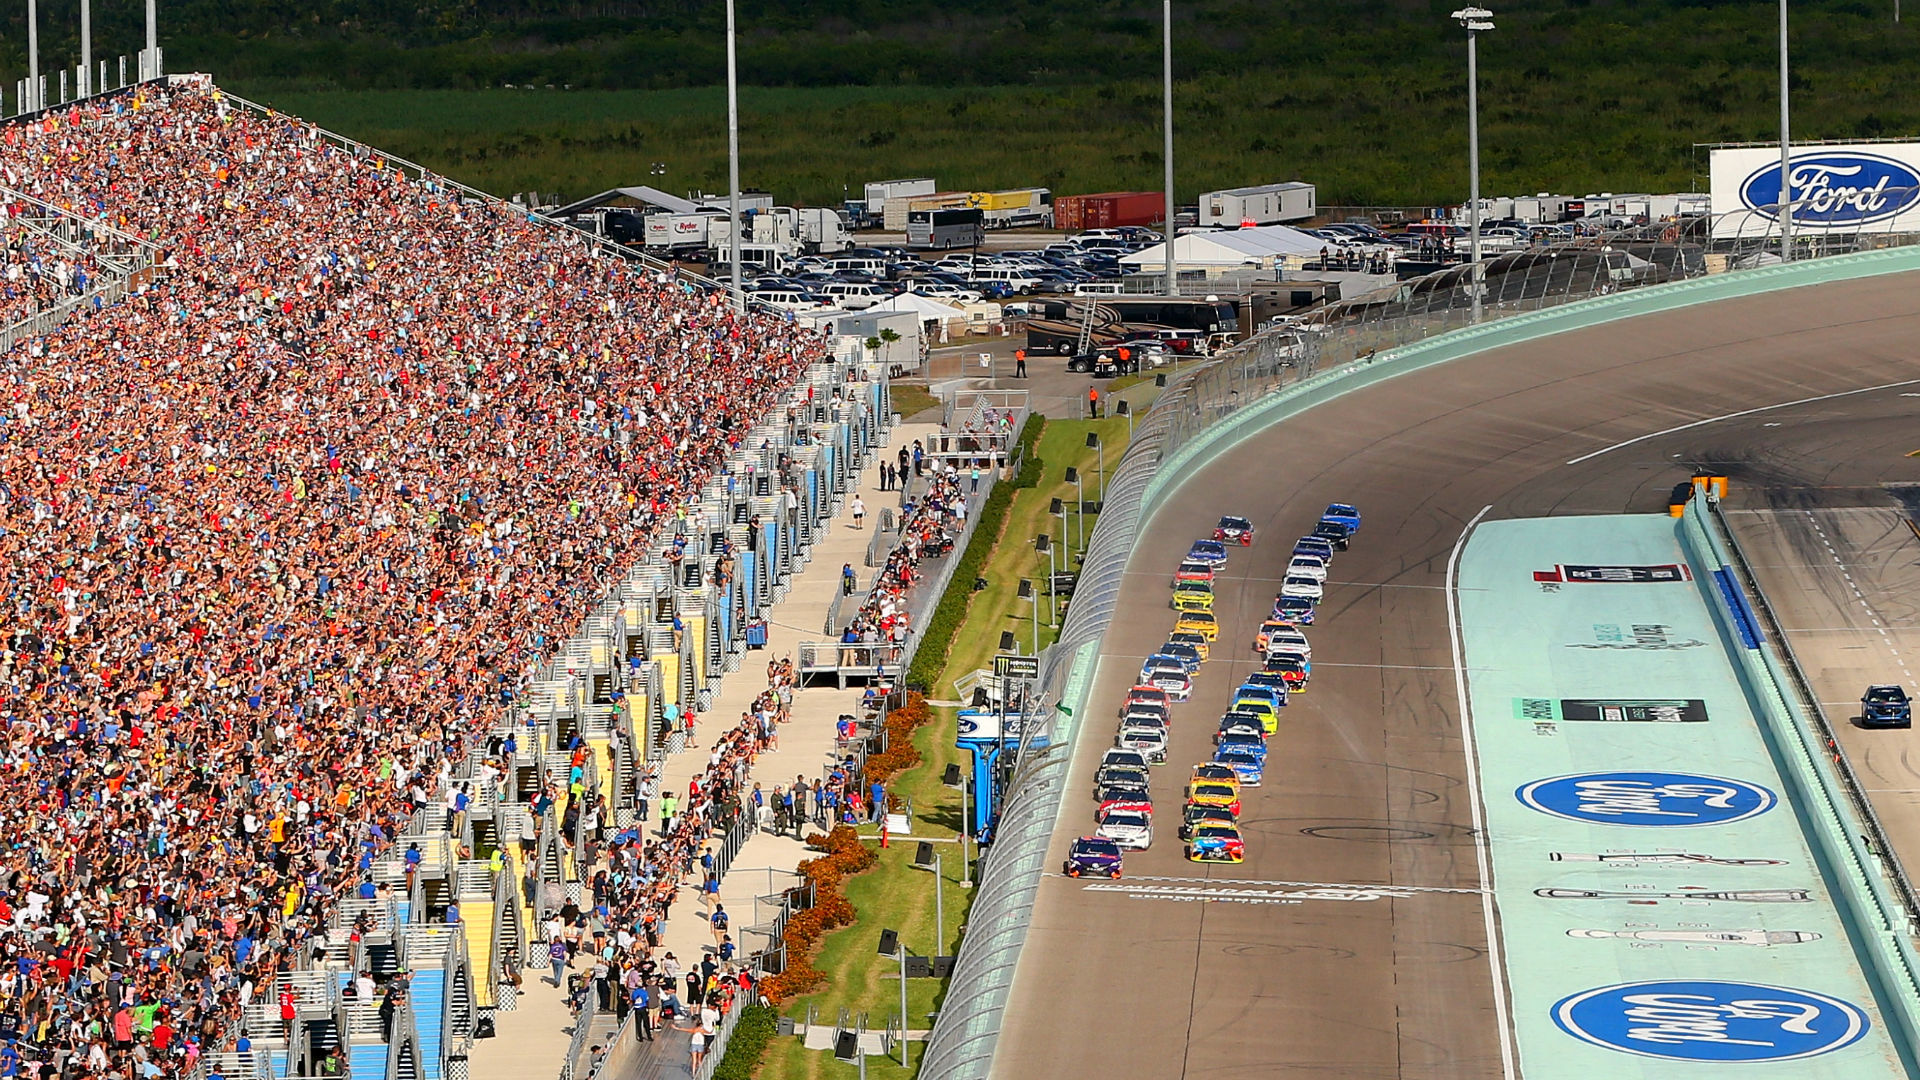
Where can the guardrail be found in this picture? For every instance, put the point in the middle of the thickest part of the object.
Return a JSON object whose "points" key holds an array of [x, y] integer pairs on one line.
{"points": [[1204, 410]]}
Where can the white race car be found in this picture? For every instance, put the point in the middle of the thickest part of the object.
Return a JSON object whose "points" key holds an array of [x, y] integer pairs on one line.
{"points": [[1127, 828]]}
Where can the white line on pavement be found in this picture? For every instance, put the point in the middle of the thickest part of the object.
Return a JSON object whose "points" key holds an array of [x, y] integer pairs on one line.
{"points": [[1737, 415]]}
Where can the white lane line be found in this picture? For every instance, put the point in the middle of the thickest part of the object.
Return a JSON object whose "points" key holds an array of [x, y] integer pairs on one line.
{"points": [[1860, 597], [1304, 884], [1737, 415], [1480, 848]]}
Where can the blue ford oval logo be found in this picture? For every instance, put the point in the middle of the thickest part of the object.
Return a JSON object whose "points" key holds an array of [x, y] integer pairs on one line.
{"points": [[1646, 798], [1839, 188], [1710, 1021]]}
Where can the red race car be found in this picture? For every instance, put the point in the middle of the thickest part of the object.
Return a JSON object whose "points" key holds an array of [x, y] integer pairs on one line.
{"points": [[1234, 530]]}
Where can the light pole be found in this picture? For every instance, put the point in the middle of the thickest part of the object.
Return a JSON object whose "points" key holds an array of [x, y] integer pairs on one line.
{"points": [[1125, 410], [1786, 153], [1044, 542], [939, 919], [733, 166], [151, 69], [1073, 477], [86, 48], [33, 55], [1028, 593], [892, 944], [1166, 154], [1093, 443], [1475, 20]]}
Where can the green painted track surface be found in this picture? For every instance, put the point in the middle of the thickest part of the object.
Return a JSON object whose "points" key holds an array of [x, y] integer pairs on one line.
{"points": [[1540, 656]]}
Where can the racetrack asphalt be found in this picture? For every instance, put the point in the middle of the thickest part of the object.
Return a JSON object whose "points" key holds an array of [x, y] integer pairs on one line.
{"points": [[1260, 973]]}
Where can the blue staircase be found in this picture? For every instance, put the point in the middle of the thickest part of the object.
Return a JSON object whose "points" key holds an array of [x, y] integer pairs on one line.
{"points": [[368, 1061], [429, 995]]}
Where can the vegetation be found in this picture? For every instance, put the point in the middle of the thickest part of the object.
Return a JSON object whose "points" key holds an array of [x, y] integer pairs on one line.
{"points": [[937, 637], [1365, 98], [751, 1033]]}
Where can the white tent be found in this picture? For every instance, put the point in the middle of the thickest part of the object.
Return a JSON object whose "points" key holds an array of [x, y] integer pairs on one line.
{"points": [[1231, 247], [926, 307]]}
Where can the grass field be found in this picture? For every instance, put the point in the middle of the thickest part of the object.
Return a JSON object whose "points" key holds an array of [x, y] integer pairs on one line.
{"points": [[894, 895], [1366, 135]]}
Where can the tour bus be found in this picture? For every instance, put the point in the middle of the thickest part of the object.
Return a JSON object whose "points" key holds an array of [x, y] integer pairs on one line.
{"points": [[938, 230]]}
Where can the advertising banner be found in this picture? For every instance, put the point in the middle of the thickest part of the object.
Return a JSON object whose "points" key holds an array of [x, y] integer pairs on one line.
{"points": [[1837, 188]]}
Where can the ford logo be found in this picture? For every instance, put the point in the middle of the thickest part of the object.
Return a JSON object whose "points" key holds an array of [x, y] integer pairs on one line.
{"points": [[1646, 798], [1841, 188], [1710, 1021]]}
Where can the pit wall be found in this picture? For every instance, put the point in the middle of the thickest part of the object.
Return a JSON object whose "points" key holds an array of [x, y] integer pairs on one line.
{"points": [[1157, 462]]}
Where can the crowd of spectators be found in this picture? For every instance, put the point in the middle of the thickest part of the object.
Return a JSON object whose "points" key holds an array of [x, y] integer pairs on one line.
{"points": [[929, 524], [37, 272], [286, 529]]}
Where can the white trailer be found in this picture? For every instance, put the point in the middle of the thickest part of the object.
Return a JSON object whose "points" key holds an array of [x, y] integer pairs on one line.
{"points": [[1268, 204], [682, 232], [879, 191]]}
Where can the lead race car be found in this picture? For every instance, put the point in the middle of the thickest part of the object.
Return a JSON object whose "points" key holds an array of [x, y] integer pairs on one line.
{"points": [[1093, 855], [1234, 530]]}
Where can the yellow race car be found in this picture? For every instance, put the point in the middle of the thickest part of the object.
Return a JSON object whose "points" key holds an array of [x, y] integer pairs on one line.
{"points": [[1260, 707], [1188, 637], [1199, 622], [1216, 842], [1193, 596], [1215, 793]]}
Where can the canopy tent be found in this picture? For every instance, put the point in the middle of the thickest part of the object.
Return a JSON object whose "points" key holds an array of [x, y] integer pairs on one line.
{"points": [[1230, 247], [926, 307]]}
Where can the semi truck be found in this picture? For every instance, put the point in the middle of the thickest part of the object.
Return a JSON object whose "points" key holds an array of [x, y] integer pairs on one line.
{"points": [[1031, 207], [871, 211], [803, 230]]}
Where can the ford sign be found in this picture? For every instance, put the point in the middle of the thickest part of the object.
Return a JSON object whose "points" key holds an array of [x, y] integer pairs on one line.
{"points": [[1836, 188], [1647, 798], [1711, 1021]]}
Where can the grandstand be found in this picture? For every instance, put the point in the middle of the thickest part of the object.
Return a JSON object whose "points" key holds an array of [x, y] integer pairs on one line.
{"points": [[363, 535]]}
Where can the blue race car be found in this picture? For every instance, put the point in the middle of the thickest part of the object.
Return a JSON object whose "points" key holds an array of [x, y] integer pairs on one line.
{"points": [[1276, 695], [1297, 610], [1342, 514], [1314, 545], [1333, 533], [1207, 551], [1246, 755], [1093, 855]]}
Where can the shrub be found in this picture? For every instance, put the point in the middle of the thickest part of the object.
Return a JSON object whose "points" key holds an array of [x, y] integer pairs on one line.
{"points": [[936, 640], [756, 1028], [900, 753], [843, 854]]}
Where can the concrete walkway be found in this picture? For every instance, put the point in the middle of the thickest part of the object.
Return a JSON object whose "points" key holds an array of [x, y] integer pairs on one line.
{"points": [[532, 1040]]}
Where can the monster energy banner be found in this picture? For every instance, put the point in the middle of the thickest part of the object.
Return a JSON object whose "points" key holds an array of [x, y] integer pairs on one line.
{"points": [[1623, 710]]}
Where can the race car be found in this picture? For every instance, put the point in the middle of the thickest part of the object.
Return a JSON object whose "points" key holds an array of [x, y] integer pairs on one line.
{"points": [[1144, 695], [1193, 596], [1265, 632], [1191, 570], [1126, 828], [1199, 622], [1289, 639], [1333, 533], [1291, 668], [1246, 755], [1141, 713], [1183, 651], [1092, 855], [1252, 693], [1214, 793], [1117, 756], [1294, 609], [1207, 770], [1234, 530], [1267, 679], [1216, 843], [1208, 551], [1193, 638], [1261, 710], [1168, 673], [1314, 545], [1195, 817], [1113, 799], [1302, 586], [1152, 742], [1240, 723], [1342, 514], [1114, 777], [1312, 566]]}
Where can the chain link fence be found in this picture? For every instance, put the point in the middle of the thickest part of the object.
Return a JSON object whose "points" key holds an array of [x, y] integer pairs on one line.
{"points": [[966, 1033]]}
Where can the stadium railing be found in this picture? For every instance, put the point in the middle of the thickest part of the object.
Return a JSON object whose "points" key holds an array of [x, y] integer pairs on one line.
{"points": [[963, 1041]]}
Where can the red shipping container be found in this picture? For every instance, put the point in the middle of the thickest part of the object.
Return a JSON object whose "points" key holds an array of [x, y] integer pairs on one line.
{"points": [[1107, 210]]}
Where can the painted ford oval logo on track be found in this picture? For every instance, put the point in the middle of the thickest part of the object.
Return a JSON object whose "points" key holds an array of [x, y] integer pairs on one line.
{"points": [[1647, 798], [1841, 188], [1710, 1021]]}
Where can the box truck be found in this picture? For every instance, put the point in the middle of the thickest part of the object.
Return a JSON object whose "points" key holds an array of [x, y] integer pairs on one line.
{"points": [[880, 192]]}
